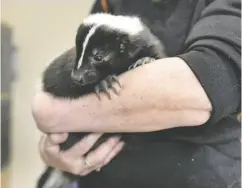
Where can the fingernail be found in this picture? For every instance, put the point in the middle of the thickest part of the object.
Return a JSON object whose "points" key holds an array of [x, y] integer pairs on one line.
{"points": [[114, 140], [121, 145], [117, 136]]}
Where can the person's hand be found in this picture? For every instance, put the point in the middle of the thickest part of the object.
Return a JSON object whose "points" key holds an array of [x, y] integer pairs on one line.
{"points": [[72, 160]]}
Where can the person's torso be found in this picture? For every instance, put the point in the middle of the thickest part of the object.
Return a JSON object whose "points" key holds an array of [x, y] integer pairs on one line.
{"points": [[182, 153]]}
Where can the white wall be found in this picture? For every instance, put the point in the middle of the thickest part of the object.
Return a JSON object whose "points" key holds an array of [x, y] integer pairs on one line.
{"points": [[42, 30]]}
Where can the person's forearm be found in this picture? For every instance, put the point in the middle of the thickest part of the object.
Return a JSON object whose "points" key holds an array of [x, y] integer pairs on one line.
{"points": [[157, 96]]}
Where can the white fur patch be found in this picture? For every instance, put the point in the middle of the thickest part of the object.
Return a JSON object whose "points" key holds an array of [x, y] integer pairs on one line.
{"points": [[84, 45], [56, 179], [129, 24]]}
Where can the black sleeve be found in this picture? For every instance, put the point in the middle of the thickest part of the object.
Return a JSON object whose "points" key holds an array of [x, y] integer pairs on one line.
{"points": [[213, 52]]}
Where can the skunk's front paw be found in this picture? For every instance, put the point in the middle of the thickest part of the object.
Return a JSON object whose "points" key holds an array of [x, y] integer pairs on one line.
{"points": [[106, 84], [141, 61]]}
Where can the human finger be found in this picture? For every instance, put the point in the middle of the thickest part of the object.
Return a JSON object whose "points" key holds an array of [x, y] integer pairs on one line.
{"points": [[113, 153], [52, 156], [96, 158], [41, 149], [50, 153], [58, 138], [83, 146], [47, 150]]}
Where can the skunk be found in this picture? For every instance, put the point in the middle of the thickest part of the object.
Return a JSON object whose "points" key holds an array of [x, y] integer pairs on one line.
{"points": [[106, 46]]}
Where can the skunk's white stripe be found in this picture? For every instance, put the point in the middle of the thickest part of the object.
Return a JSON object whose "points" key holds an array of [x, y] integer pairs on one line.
{"points": [[129, 24], [90, 33]]}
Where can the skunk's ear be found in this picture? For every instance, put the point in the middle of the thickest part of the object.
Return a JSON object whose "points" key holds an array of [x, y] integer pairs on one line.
{"points": [[128, 45], [123, 45], [122, 41], [134, 47]]}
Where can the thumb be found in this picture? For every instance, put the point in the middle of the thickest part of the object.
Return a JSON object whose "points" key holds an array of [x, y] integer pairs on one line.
{"points": [[58, 138]]}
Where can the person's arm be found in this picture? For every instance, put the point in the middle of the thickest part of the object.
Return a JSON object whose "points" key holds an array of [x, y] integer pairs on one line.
{"points": [[213, 52], [167, 93], [154, 97]]}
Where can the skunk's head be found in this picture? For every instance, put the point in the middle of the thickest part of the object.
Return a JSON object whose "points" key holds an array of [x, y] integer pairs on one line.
{"points": [[56, 78], [105, 44]]}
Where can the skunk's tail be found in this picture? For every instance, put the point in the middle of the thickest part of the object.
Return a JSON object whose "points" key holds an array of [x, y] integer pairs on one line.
{"points": [[53, 178]]}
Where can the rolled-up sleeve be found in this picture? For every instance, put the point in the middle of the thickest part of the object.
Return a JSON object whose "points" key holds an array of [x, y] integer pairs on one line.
{"points": [[213, 52]]}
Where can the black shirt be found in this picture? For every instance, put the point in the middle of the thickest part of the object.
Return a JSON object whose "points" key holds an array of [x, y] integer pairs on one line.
{"points": [[207, 35]]}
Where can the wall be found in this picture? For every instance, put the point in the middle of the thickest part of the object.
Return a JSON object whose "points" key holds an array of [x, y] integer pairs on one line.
{"points": [[42, 30]]}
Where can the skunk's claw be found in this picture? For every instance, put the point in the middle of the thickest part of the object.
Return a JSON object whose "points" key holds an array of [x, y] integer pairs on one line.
{"points": [[97, 91], [115, 79], [107, 84], [141, 61], [103, 86], [111, 79]]}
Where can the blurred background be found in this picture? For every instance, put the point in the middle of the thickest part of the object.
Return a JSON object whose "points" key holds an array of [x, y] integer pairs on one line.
{"points": [[33, 33]]}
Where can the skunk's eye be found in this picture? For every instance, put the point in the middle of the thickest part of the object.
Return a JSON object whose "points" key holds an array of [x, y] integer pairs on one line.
{"points": [[98, 58]]}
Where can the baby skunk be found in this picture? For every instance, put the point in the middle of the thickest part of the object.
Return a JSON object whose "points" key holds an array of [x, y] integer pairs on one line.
{"points": [[106, 46]]}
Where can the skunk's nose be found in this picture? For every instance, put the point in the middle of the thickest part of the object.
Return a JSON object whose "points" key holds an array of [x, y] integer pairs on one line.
{"points": [[77, 77], [85, 77]]}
